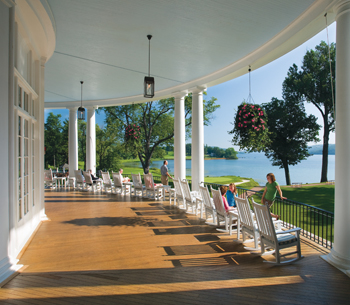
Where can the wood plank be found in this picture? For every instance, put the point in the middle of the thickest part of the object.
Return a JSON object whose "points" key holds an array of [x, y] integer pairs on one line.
{"points": [[107, 249]]}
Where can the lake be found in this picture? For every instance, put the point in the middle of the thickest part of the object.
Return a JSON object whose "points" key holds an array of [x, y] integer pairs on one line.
{"points": [[256, 166]]}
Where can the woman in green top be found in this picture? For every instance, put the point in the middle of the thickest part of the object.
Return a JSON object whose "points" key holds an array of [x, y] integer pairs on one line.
{"points": [[270, 192]]}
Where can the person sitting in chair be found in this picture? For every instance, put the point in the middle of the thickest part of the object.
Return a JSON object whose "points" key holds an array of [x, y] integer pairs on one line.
{"points": [[223, 190], [93, 178], [126, 179]]}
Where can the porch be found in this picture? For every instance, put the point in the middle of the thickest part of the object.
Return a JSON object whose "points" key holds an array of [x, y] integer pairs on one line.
{"points": [[102, 248]]}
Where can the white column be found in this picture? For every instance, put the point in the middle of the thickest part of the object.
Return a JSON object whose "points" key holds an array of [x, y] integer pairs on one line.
{"points": [[340, 254], [91, 139], [41, 135], [73, 141], [179, 137], [197, 162]]}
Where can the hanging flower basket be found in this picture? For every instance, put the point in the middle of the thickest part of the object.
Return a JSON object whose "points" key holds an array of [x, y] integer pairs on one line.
{"points": [[132, 133], [132, 139], [250, 130], [250, 117]]}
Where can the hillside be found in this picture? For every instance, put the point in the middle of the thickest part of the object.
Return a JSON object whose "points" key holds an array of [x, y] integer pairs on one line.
{"points": [[317, 149]]}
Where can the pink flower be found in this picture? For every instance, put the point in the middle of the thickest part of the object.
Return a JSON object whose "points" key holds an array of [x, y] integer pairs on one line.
{"points": [[245, 122], [244, 110], [260, 126], [253, 120], [239, 118], [258, 129], [252, 114], [255, 127], [259, 108], [263, 127], [252, 106], [245, 126]]}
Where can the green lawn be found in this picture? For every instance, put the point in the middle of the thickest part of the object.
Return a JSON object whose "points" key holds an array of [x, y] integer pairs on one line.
{"points": [[321, 196]]}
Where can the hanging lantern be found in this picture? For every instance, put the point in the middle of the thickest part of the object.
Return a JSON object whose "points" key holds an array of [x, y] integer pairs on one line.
{"points": [[149, 81], [81, 110]]}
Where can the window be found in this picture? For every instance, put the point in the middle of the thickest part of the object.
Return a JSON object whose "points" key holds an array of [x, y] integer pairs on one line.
{"points": [[20, 170]]}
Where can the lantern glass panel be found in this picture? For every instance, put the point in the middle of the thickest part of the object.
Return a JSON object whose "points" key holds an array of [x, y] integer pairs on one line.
{"points": [[149, 86]]}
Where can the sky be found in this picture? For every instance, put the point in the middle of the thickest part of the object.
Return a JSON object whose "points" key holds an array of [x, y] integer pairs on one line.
{"points": [[266, 82]]}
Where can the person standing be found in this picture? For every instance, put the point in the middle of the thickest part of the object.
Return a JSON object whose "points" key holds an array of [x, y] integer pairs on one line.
{"points": [[165, 173], [270, 192]]}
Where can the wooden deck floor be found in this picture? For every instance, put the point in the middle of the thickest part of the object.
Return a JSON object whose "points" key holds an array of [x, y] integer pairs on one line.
{"points": [[107, 249]]}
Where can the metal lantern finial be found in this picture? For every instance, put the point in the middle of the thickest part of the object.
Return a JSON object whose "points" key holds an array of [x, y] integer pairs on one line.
{"points": [[149, 81], [81, 110]]}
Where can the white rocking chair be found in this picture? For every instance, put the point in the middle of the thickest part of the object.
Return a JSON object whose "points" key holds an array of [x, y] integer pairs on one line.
{"points": [[190, 197], [107, 182], [248, 226], [79, 179], [179, 196], [276, 240], [49, 180], [221, 214], [152, 191], [208, 204], [118, 184], [89, 183], [138, 187]]}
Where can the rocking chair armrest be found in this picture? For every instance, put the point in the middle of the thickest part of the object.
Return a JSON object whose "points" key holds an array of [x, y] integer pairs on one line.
{"points": [[289, 231]]}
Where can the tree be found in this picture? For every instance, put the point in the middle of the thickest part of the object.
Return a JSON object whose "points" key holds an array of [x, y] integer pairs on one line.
{"points": [[189, 149], [53, 141], [290, 130], [107, 149], [153, 124], [313, 84], [230, 153]]}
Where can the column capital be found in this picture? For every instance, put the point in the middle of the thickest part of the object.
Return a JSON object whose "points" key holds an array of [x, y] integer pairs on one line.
{"points": [[91, 107], [341, 7], [73, 108], [198, 89], [180, 94]]}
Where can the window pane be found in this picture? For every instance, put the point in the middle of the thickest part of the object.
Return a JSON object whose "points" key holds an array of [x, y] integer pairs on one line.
{"points": [[26, 128], [25, 204], [19, 96], [26, 144], [19, 126], [19, 209], [25, 166], [25, 101], [19, 168], [19, 189], [19, 146]]}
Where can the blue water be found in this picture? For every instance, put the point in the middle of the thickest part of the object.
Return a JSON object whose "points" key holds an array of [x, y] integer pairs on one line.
{"points": [[256, 166]]}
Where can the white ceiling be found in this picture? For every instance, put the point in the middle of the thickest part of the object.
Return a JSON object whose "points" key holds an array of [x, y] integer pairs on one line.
{"points": [[104, 43]]}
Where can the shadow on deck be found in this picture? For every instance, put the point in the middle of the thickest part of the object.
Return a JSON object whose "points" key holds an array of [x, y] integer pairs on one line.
{"points": [[103, 248]]}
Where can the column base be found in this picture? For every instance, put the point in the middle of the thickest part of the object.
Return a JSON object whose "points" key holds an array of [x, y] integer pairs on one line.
{"points": [[7, 270], [339, 262]]}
